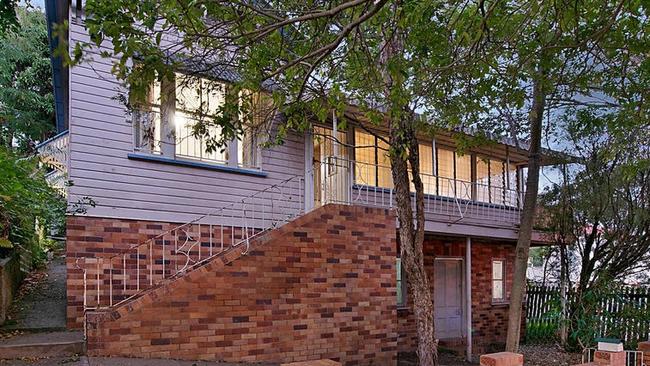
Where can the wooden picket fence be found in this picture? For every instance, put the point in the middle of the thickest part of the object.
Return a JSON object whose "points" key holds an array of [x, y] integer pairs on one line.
{"points": [[543, 314], [623, 313]]}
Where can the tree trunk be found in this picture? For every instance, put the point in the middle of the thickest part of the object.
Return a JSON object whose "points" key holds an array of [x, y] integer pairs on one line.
{"points": [[402, 134], [527, 215], [564, 270], [563, 296], [404, 152]]}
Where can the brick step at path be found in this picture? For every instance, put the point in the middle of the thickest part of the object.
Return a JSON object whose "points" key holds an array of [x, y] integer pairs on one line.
{"points": [[502, 359], [46, 344]]}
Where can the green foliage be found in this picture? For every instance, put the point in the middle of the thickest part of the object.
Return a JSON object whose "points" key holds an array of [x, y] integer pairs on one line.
{"points": [[603, 311], [594, 315], [537, 255], [542, 330], [25, 197], [8, 17], [464, 65], [26, 97], [601, 210]]}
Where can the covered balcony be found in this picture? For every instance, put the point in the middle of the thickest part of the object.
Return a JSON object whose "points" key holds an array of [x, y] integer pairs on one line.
{"points": [[446, 200], [54, 154], [477, 192]]}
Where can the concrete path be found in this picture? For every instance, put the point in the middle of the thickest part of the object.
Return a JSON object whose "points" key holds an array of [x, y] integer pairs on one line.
{"points": [[98, 361], [43, 308]]}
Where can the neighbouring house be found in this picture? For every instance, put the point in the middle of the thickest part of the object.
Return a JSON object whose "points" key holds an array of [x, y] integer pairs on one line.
{"points": [[282, 253]]}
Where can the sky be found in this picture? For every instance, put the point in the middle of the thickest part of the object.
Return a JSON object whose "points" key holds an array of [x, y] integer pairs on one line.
{"points": [[36, 3]]}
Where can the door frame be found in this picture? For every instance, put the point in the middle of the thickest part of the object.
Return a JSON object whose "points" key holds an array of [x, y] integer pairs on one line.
{"points": [[463, 330]]}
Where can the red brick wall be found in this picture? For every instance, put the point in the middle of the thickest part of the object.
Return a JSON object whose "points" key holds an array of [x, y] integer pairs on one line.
{"points": [[92, 242], [322, 286], [489, 321]]}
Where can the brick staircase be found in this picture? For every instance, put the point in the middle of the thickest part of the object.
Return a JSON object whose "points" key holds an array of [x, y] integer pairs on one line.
{"points": [[320, 286], [176, 250]]}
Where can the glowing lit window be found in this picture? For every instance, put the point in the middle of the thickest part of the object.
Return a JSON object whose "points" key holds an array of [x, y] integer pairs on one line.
{"points": [[446, 172], [365, 169]]}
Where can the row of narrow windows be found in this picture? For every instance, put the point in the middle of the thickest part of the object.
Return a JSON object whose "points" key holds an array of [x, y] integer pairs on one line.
{"points": [[444, 171]]}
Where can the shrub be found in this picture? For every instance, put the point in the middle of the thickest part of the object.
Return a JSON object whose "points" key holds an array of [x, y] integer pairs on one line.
{"points": [[25, 199]]}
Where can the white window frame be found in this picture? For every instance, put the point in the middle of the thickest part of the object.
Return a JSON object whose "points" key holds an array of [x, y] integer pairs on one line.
{"points": [[503, 297], [402, 289], [231, 148]]}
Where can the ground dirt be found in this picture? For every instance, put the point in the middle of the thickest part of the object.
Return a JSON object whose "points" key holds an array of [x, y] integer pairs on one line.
{"points": [[548, 354], [534, 355]]}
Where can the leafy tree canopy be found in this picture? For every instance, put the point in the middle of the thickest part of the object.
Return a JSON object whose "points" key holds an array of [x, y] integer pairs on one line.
{"points": [[464, 64], [26, 97], [8, 17], [492, 67]]}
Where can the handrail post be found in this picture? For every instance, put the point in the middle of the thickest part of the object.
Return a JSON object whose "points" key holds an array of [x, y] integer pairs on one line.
{"points": [[124, 272], [151, 262], [110, 284], [98, 271], [137, 266]]}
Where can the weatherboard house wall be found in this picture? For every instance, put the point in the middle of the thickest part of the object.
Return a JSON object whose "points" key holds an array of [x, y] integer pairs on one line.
{"points": [[104, 167]]}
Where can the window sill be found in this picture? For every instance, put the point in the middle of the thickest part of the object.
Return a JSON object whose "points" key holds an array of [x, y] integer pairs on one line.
{"points": [[500, 303], [196, 164]]}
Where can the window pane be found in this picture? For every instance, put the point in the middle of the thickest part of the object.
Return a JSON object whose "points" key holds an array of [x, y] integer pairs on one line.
{"points": [[497, 270], [482, 180], [188, 93], [497, 181], [511, 193], [523, 172], [154, 93], [497, 290], [146, 131], [247, 149], [426, 168], [147, 123], [189, 146], [464, 176], [365, 169], [254, 125], [196, 97], [398, 267], [446, 172], [384, 175], [324, 143]]}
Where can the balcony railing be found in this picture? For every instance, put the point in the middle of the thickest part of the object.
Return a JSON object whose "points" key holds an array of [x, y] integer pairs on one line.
{"points": [[54, 154], [352, 182]]}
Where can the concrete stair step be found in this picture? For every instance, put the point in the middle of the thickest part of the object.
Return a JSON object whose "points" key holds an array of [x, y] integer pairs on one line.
{"points": [[43, 344]]}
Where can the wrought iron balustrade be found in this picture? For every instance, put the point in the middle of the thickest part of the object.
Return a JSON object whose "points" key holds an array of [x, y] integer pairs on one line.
{"points": [[352, 182]]}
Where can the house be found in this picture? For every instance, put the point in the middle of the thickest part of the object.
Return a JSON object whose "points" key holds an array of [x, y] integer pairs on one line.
{"points": [[282, 253]]}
